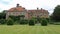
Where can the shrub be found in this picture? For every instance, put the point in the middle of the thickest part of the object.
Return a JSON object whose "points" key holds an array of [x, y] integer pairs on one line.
{"points": [[9, 22], [15, 18], [35, 21], [48, 20], [31, 22], [23, 21], [44, 22], [40, 19], [2, 21], [26, 21]]}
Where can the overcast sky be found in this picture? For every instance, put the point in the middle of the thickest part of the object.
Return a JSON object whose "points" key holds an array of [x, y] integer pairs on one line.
{"points": [[30, 4]]}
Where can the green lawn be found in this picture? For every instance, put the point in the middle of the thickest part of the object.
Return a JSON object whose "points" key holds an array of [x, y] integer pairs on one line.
{"points": [[26, 29]]}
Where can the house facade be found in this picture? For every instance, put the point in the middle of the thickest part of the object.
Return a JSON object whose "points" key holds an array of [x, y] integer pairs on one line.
{"points": [[19, 10]]}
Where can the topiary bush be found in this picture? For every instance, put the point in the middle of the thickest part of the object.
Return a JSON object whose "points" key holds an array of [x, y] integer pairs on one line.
{"points": [[44, 22], [10, 22], [31, 22]]}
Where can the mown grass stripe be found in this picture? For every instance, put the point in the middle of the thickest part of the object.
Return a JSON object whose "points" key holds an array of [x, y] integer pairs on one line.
{"points": [[26, 29]]}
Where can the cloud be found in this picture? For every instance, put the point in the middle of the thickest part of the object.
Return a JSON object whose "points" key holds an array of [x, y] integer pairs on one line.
{"points": [[30, 4]]}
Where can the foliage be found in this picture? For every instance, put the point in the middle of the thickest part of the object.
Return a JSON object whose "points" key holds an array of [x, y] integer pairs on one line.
{"points": [[15, 18], [39, 19], [2, 15], [23, 21], [34, 19], [44, 22], [2, 21], [56, 13], [31, 22], [10, 22], [48, 19], [22, 16]]}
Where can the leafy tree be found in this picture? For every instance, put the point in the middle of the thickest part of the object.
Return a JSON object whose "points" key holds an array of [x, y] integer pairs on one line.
{"points": [[56, 13], [2, 21], [3, 14]]}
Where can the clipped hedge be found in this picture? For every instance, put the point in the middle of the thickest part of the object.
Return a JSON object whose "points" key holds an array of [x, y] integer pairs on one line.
{"points": [[31, 22], [10, 22], [44, 22]]}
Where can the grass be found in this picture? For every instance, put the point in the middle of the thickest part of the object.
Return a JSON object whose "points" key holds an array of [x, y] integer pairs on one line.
{"points": [[26, 29]]}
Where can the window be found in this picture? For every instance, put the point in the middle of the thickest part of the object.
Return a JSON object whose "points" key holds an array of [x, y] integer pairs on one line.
{"points": [[44, 14]]}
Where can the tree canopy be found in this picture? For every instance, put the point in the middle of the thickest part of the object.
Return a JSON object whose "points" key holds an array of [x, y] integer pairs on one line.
{"points": [[56, 13], [3, 14]]}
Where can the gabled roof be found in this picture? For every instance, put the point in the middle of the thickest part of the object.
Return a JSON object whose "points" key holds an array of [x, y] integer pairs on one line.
{"points": [[40, 10], [20, 8]]}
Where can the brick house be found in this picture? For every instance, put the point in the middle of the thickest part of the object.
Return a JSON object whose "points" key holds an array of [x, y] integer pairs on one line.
{"points": [[19, 10]]}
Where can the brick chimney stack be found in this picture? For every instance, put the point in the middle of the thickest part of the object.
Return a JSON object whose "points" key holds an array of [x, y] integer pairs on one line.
{"points": [[17, 5], [41, 9], [37, 8]]}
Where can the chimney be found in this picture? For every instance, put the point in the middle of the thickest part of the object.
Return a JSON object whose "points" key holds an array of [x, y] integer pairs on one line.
{"points": [[17, 5], [41, 9], [37, 8]]}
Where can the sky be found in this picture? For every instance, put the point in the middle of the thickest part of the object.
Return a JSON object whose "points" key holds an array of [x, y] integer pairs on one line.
{"points": [[30, 4]]}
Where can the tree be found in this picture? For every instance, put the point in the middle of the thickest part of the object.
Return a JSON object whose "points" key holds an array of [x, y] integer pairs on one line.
{"points": [[3, 14], [2, 21], [56, 13]]}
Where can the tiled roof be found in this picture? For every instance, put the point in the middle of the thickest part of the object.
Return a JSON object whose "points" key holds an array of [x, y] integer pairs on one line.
{"points": [[43, 11], [17, 8]]}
